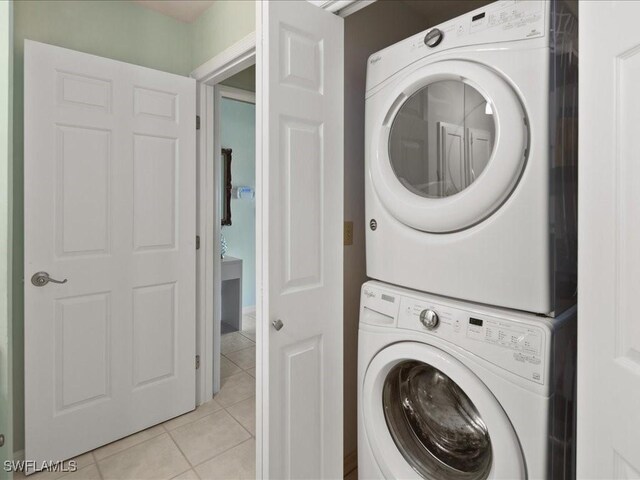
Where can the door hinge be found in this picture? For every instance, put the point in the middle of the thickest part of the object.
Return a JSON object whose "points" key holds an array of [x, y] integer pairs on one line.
{"points": [[197, 122], [197, 362], [197, 242]]}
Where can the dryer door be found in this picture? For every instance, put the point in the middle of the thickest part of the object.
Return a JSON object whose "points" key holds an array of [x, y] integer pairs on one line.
{"points": [[449, 146], [426, 413]]}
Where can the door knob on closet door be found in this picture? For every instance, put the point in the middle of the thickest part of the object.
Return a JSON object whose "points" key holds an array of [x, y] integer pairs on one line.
{"points": [[40, 279], [277, 324]]}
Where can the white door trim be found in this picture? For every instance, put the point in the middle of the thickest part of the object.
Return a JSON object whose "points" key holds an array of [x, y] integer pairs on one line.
{"points": [[230, 61], [236, 94], [342, 8]]}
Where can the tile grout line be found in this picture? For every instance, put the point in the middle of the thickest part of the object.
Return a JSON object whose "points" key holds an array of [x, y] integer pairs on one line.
{"points": [[222, 407], [229, 360], [184, 455], [130, 446], [193, 467], [97, 465], [221, 453], [225, 409], [236, 403], [241, 368], [233, 416]]}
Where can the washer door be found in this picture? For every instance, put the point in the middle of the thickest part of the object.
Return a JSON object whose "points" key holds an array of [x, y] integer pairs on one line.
{"points": [[426, 414], [450, 146]]}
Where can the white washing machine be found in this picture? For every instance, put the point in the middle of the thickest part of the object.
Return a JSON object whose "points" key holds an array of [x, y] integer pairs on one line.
{"points": [[457, 391], [471, 158]]}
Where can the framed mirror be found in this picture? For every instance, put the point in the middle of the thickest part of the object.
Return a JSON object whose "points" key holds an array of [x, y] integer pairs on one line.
{"points": [[226, 186]]}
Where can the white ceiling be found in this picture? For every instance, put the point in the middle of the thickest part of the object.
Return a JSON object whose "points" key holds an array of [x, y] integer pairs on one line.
{"points": [[183, 10]]}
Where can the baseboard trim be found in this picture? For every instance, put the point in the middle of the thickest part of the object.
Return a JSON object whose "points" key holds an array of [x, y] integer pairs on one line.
{"points": [[350, 462], [247, 310]]}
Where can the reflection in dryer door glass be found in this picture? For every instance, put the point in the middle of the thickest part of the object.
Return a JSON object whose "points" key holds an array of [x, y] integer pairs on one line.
{"points": [[434, 424], [442, 139]]}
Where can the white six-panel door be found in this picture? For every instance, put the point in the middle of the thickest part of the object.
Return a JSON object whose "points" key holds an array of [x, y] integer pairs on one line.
{"points": [[110, 208], [300, 216], [608, 444]]}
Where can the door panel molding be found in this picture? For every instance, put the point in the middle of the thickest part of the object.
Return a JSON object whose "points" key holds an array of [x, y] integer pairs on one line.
{"points": [[110, 207], [608, 436], [299, 210]]}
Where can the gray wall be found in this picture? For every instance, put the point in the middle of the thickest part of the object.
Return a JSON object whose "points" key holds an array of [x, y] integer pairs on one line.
{"points": [[373, 28], [244, 80]]}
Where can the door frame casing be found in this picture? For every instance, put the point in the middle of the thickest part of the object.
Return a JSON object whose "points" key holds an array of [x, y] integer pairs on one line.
{"points": [[232, 60], [342, 8], [6, 246], [233, 93]]}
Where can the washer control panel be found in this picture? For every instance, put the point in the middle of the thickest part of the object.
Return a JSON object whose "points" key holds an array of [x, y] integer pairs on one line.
{"points": [[515, 345], [505, 334]]}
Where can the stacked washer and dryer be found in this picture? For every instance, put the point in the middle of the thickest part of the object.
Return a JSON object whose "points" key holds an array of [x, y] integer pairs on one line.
{"points": [[467, 335]]}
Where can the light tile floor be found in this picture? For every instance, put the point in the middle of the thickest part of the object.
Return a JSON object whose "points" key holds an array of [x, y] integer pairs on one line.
{"points": [[216, 441]]}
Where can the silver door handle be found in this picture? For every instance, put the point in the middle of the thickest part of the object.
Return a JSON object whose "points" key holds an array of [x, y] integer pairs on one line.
{"points": [[277, 324], [40, 279]]}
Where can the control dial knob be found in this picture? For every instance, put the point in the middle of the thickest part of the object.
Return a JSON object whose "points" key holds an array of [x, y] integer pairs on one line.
{"points": [[433, 37], [429, 318]]}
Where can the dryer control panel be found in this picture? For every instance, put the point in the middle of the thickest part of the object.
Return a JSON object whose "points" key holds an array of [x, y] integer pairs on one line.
{"points": [[498, 22], [519, 343]]}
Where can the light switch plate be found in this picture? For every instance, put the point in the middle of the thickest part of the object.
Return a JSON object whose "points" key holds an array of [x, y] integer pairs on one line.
{"points": [[348, 233]]}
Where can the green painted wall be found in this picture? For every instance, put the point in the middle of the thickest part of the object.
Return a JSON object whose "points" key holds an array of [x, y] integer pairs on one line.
{"points": [[220, 26], [238, 132], [121, 30], [6, 361]]}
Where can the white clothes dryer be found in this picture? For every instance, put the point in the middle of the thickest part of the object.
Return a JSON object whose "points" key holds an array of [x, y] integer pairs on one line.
{"points": [[471, 158], [459, 391]]}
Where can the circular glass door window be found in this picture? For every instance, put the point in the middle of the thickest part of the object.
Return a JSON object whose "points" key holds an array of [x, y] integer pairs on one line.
{"points": [[434, 424], [442, 138]]}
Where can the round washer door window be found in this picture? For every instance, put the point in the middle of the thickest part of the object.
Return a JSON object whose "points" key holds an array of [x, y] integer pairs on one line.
{"points": [[434, 424], [428, 415], [442, 138], [449, 145]]}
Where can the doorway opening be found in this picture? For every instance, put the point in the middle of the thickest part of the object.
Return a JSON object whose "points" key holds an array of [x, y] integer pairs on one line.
{"points": [[237, 261], [226, 338]]}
